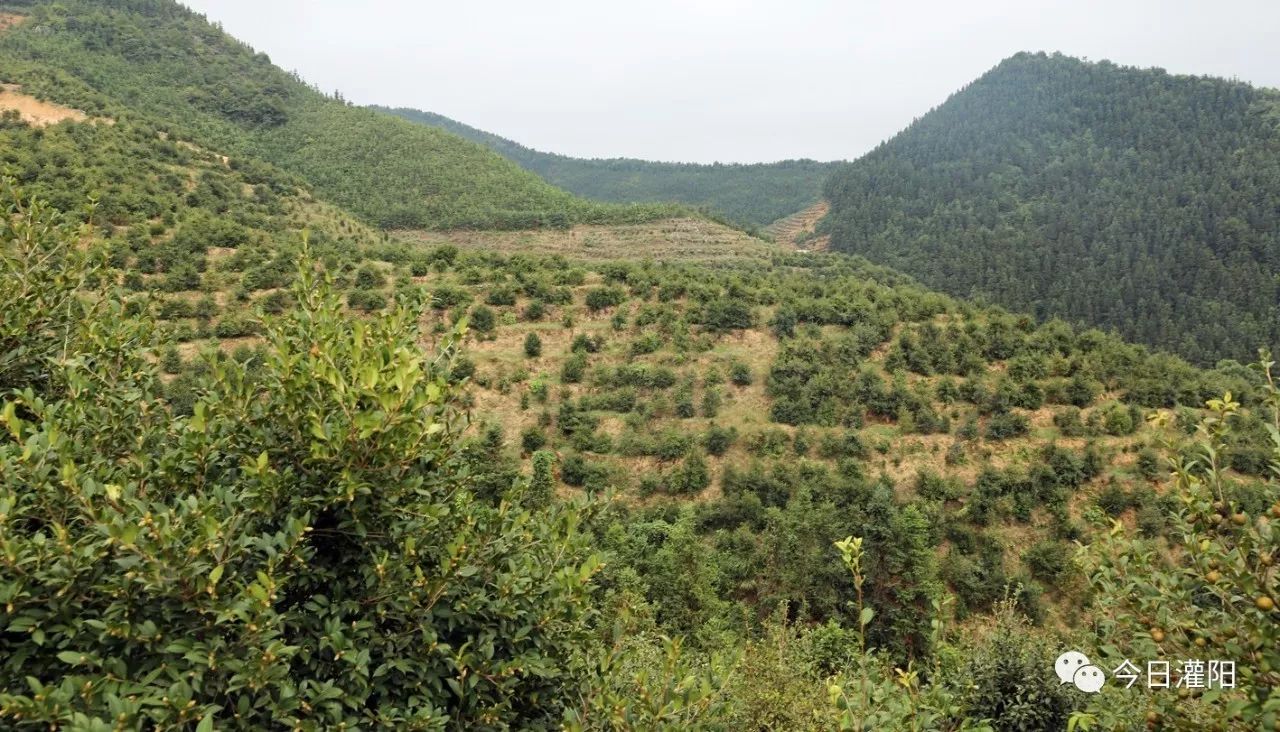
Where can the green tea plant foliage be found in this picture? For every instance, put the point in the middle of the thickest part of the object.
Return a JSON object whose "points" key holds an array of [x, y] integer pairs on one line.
{"points": [[302, 550]]}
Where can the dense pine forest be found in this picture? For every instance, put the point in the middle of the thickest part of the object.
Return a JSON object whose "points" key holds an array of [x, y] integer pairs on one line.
{"points": [[751, 195], [268, 460], [1124, 198]]}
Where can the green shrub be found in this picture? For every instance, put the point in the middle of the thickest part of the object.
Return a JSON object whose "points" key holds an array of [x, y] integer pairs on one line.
{"points": [[601, 298], [1009, 679], [769, 442], [691, 477], [717, 440], [171, 361], [369, 277], [1114, 499], [711, 401], [277, 302], [483, 319], [175, 308], [1119, 420], [277, 558], [463, 368], [1081, 391], [447, 297], [501, 296], [646, 343], [934, 487], [366, 300], [672, 445], [532, 345], [726, 314], [1005, 425], [573, 368], [532, 439], [235, 326], [1069, 423], [1047, 561], [684, 402], [842, 444], [583, 343], [1148, 463]]}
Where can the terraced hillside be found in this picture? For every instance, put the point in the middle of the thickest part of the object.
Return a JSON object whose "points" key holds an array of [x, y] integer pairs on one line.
{"points": [[751, 387], [800, 229], [262, 463], [678, 239]]}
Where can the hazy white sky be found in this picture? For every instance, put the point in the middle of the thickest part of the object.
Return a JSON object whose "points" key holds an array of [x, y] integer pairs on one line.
{"points": [[705, 80]]}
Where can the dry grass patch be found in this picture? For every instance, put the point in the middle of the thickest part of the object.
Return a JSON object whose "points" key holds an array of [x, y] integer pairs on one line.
{"points": [[193, 349], [687, 239]]}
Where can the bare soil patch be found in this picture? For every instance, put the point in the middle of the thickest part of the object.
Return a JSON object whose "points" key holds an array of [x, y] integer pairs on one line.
{"points": [[797, 230], [10, 20], [34, 111]]}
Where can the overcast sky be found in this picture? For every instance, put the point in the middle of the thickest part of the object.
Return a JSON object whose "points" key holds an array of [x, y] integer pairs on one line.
{"points": [[706, 80]]}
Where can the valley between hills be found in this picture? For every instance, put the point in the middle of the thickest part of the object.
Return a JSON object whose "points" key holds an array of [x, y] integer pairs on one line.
{"points": [[329, 417]]}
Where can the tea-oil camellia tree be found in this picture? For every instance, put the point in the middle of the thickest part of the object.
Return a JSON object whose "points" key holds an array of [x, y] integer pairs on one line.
{"points": [[1209, 593], [301, 552]]}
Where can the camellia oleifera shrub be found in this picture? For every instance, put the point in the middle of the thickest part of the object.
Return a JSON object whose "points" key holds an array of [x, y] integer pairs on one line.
{"points": [[302, 551], [1209, 591]]}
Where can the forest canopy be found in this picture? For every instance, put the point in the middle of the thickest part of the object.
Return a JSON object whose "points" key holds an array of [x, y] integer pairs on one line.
{"points": [[1119, 197]]}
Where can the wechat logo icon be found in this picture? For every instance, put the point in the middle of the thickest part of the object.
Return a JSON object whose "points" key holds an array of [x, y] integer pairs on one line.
{"points": [[1073, 667]]}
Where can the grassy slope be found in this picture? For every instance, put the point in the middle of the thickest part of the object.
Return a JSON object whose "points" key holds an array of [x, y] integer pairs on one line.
{"points": [[156, 58], [753, 194], [679, 239]]}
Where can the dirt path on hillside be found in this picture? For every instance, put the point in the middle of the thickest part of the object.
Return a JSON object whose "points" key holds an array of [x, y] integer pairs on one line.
{"points": [[796, 231]]}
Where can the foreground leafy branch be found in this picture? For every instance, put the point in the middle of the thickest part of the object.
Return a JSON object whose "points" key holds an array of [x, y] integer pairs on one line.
{"points": [[303, 550]]}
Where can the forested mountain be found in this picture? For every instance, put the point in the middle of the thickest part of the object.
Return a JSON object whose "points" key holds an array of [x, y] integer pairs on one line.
{"points": [[262, 464], [752, 194], [157, 59], [1120, 197]]}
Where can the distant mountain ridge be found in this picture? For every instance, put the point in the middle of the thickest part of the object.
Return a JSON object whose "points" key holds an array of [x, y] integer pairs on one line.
{"points": [[751, 194], [1124, 198]]}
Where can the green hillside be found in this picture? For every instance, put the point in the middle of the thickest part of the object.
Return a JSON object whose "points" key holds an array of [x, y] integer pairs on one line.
{"points": [[158, 59], [1119, 197], [297, 487], [263, 465], [753, 194]]}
